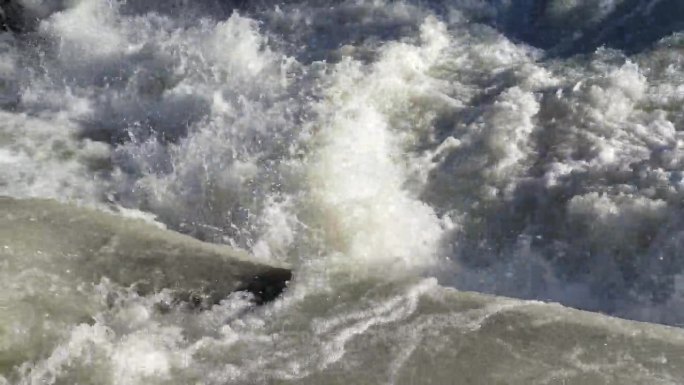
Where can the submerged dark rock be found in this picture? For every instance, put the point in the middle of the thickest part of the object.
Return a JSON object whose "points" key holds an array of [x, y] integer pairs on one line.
{"points": [[268, 286]]}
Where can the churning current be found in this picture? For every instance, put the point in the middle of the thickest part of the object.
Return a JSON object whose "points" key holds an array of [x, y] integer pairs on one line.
{"points": [[382, 149]]}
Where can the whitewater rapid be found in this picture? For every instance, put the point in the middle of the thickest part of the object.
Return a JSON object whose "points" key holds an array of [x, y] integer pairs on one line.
{"points": [[377, 147]]}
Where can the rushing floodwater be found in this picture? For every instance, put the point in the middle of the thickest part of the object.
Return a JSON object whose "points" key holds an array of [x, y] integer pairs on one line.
{"points": [[532, 149]]}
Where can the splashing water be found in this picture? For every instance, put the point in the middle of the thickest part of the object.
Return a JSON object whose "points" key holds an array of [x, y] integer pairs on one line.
{"points": [[378, 147]]}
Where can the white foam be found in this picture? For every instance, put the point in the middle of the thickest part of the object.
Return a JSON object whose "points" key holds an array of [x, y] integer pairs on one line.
{"points": [[358, 173]]}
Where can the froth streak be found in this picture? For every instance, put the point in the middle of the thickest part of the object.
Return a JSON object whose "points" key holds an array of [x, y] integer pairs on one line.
{"points": [[431, 334]]}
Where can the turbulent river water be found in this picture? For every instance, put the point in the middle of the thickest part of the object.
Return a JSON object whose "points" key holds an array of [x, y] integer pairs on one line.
{"points": [[383, 149]]}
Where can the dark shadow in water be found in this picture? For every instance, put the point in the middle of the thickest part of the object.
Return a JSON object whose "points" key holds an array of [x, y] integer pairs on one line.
{"points": [[560, 27], [631, 26]]}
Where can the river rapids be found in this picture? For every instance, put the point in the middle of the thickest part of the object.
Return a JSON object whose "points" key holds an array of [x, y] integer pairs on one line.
{"points": [[387, 151]]}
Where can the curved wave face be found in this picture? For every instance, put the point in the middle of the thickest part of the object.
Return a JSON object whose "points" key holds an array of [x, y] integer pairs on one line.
{"points": [[382, 149]]}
